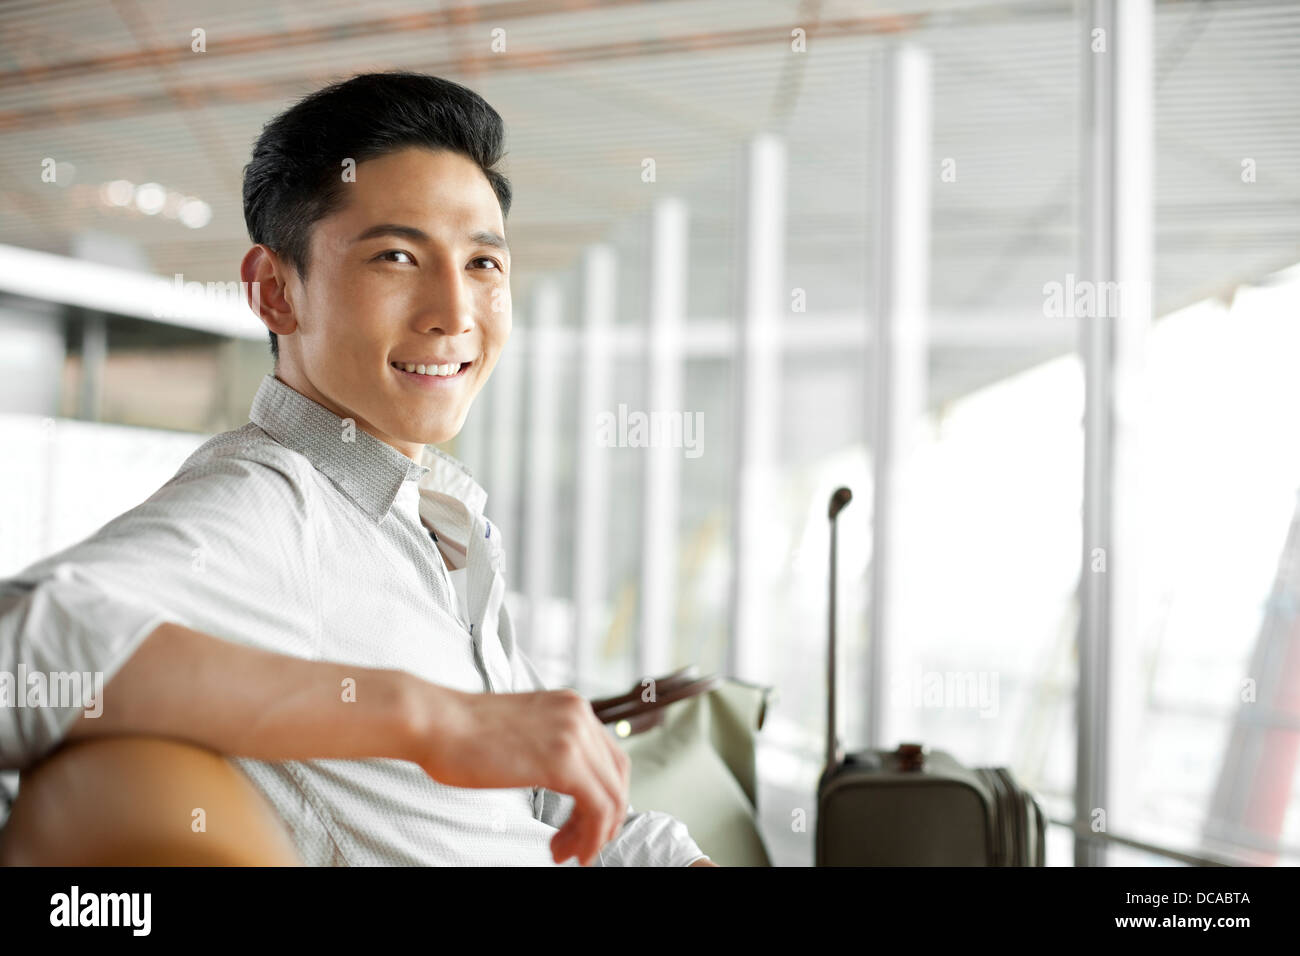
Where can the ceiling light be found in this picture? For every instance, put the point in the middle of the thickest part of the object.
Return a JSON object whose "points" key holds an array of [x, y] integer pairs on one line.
{"points": [[195, 213], [119, 192], [149, 198]]}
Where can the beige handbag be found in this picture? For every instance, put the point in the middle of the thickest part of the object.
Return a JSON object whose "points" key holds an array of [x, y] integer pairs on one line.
{"points": [[693, 753]]}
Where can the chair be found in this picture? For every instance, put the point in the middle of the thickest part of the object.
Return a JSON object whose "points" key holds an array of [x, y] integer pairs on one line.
{"points": [[133, 800]]}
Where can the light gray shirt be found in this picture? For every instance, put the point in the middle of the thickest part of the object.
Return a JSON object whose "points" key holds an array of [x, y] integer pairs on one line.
{"points": [[302, 534]]}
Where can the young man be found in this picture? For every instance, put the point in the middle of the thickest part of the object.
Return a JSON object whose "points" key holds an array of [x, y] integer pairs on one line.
{"points": [[318, 593]]}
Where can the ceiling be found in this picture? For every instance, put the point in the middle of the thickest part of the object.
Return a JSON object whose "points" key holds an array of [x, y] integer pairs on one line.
{"points": [[589, 89]]}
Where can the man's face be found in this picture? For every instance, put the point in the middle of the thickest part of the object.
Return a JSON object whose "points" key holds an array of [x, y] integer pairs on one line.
{"points": [[404, 272]]}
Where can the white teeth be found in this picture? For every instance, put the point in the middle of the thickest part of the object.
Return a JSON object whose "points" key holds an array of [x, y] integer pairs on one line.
{"points": [[436, 370]]}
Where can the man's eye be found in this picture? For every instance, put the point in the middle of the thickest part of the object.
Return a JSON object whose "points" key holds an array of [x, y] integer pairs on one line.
{"points": [[394, 252], [488, 259]]}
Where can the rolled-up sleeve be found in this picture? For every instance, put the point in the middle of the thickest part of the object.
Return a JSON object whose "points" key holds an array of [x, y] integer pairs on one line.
{"points": [[221, 548], [646, 838], [64, 624]]}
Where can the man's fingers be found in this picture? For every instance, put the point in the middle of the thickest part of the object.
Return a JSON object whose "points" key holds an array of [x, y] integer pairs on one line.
{"points": [[623, 769], [562, 842], [587, 821], [597, 779], [573, 837], [589, 839], [611, 777]]}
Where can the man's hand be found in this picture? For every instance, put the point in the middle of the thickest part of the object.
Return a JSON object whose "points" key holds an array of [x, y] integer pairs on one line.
{"points": [[550, 739], [704, 862]]}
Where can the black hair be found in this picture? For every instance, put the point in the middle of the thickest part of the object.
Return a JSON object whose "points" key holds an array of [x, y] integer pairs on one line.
{"points": [[295, 176]]}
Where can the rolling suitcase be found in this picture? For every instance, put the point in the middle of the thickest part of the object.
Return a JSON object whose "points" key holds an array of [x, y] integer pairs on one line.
{"points": [[914, 806]]}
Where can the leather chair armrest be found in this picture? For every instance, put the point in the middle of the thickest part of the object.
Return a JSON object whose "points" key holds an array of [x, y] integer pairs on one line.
{"points": [[131, 801]]}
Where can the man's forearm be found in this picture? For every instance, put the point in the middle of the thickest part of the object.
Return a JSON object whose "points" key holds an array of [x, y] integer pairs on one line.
{"points": [[248, 702]]}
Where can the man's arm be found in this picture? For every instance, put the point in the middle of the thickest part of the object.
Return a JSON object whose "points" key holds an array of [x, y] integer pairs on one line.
{"points": [[246, 701]]}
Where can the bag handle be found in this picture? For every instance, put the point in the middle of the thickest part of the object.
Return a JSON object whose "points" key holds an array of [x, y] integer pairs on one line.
{"points": [[680, 676], [632, 715]]}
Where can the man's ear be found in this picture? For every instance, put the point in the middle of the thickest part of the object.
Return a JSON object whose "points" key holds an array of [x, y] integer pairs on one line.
{"points": [[264, 280]]}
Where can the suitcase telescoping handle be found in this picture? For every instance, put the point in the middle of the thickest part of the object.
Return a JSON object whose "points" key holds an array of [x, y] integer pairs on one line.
{"points": [[839, 499]]}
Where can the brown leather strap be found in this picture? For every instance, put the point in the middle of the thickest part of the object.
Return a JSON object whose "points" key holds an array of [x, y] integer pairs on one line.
{"points": [[677, 678], [640, 715]]}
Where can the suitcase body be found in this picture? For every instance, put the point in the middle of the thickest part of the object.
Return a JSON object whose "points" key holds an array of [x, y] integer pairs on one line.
{"points": [[913, 807]]}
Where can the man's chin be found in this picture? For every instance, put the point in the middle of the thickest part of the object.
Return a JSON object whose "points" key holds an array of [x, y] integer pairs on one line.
{"points": [[432, 436]]}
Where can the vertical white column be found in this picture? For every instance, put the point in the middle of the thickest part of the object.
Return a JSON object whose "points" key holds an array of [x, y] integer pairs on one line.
{"points": [[762, 303], [591, 489], [1116, 257], [542, 430], [658, 605], [901, 271]]}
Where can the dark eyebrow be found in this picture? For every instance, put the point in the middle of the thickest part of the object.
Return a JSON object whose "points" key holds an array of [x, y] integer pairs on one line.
{"points": [[482, 237], [486, 238], [393, 229]]}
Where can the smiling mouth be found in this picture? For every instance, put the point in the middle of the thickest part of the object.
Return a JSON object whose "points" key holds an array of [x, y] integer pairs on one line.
{"points": [[435, 372]]}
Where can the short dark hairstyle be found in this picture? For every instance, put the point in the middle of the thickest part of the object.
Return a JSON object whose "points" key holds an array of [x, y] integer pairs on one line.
{"points": [[295, 176]]}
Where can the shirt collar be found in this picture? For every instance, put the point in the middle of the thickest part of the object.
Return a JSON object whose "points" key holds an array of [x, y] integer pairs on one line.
{"points": [[447, 475], [367, 470]]}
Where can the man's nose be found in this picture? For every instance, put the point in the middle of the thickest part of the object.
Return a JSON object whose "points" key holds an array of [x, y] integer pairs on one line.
{"points": [[447, 300]]}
